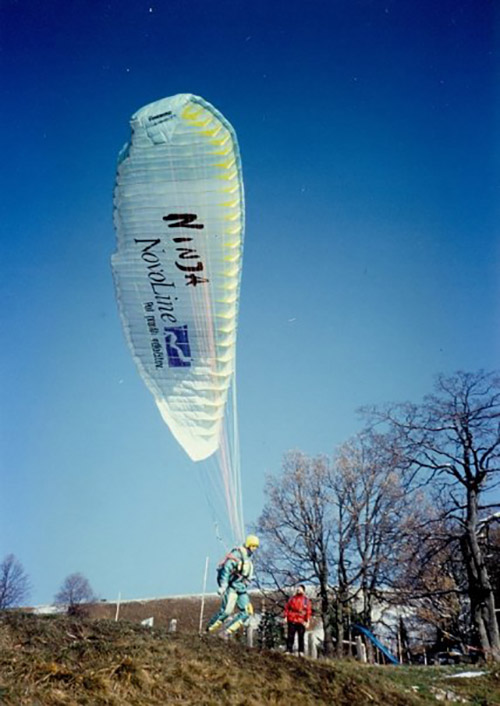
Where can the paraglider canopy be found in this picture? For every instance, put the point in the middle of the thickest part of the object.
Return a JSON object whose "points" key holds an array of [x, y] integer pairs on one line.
{"points": [[179, 218]]}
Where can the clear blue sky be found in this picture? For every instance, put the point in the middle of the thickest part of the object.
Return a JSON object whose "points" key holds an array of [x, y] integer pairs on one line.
{"points": [[369, 139]]}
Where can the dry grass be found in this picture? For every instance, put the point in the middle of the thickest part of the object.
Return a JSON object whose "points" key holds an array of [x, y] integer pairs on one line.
{"points": [[61, 661]]}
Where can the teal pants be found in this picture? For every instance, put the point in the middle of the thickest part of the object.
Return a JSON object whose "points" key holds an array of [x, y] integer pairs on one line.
{"points": [[230, 600]]}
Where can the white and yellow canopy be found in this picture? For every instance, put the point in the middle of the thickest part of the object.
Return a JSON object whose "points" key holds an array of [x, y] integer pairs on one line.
{"points": [[179, 218]]}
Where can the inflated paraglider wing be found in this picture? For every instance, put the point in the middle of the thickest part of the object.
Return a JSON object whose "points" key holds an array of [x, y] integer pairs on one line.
{"points": [[179, 214]]}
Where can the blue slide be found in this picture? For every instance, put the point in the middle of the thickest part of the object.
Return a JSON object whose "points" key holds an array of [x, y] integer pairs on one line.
{"points": [[378, 644]]}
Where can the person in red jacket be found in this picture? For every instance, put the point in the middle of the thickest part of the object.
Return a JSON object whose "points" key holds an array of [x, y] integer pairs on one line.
{"points": [[297, 615]]}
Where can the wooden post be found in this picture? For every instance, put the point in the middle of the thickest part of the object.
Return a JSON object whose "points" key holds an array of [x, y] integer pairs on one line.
{"points": [[118, 607], [250, 632], [202, 608], [313, 646], [369, 648], [360, 649]]}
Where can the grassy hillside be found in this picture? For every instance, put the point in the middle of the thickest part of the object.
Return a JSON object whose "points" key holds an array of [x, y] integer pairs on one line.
{"points": [[57, 660]]}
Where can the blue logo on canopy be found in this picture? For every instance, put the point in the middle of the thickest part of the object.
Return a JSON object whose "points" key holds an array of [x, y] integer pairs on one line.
{"points": [[177, 345]]}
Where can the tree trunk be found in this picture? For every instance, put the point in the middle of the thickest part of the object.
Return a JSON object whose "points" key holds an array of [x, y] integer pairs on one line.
{"points": [[327, 627], [480, 590], [325, 611], [340, 627]]}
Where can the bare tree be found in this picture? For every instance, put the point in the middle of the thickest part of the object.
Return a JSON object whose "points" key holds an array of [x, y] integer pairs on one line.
{"points": [[378, 509], [451, 441], [14, 583], [372, 514], [75, 591], [344, 528], [296, 525], [431, 577], [336, 525]]}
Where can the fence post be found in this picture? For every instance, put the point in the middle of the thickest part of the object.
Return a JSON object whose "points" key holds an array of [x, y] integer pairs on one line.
{"points": [[360, 649], [250, 632], [202, 608], [118, 606], [313, 646]]}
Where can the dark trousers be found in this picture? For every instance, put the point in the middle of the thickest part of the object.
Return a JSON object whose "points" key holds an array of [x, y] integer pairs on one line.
{"points": [[295, 629]]}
